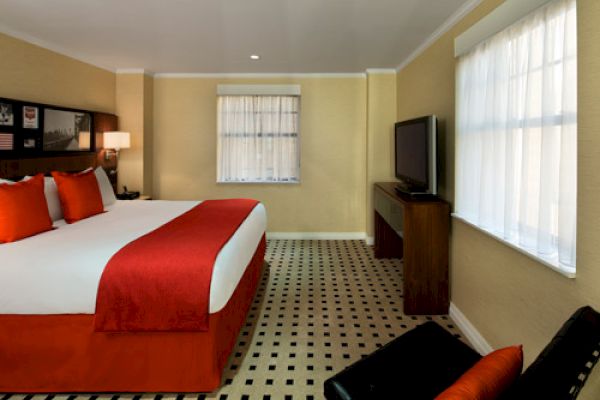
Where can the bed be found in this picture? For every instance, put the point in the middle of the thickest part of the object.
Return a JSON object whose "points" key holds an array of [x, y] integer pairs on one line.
{"points": [[48, 288]]}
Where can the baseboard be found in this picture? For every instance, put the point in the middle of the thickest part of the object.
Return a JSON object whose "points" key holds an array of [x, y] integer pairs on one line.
{"points": [[475, 338], [317, 235], [370, 240]]}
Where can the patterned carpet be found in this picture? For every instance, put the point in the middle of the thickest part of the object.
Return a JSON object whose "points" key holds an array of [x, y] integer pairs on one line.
{"points": [[321, 306]]}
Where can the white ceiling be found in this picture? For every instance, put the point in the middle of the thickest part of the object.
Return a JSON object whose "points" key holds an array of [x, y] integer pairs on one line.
{"points": [[218, 36]]}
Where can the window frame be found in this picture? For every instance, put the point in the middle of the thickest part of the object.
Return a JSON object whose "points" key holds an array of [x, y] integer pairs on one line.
{"points": [[263, 91], [566, 118]]}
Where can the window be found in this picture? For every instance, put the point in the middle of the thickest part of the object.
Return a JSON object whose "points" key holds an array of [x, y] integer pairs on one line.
{"points": [[516, 139], [258, 138]]}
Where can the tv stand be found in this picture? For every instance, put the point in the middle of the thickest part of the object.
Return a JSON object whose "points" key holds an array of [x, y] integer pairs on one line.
{"points": [[415, 229], [400, 191]]}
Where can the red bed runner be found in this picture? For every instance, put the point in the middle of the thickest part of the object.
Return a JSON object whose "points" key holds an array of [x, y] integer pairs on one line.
{"points": [[161, 281]]}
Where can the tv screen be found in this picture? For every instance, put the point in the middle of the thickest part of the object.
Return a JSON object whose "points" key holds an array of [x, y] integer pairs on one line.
{"points": [[416, 167]]}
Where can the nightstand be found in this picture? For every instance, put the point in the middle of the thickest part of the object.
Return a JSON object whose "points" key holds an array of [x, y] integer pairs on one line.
{"points": [[133, 196]]}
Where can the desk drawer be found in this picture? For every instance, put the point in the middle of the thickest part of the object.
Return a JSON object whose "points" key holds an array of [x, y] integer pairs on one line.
{"points": [[390, 211]]}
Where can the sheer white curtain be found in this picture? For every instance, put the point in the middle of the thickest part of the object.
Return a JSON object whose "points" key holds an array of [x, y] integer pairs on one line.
{"points": [[258, 139], [516, 135]]}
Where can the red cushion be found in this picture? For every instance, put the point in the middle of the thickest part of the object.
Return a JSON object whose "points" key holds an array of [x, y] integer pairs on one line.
{"points": [[23, 209], [79, 195], [489, 377]]}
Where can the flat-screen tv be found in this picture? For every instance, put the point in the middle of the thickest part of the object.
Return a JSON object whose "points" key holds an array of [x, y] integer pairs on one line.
{"points": [[416, 156]]}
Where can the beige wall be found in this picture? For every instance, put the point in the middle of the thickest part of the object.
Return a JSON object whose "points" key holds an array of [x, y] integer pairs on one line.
{"points": [[331, 195], [148, 134], [29, 72], [346, 143], [130, 109], [509, 297], [381, 115], [426, 86], [135, 107]]}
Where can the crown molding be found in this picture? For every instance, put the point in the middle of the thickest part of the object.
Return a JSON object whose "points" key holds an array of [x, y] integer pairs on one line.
{"points": [[260, 75], [465, 9], [446, 26], [134, 71], [503, 16], [78, 57], [51, 47], [381, 71]]}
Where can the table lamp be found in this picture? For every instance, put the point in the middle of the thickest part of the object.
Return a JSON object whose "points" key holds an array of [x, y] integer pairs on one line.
{"points": [[116, 140]]}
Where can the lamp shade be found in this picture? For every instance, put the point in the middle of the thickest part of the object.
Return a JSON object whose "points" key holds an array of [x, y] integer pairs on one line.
{"points": [[117, 140]]}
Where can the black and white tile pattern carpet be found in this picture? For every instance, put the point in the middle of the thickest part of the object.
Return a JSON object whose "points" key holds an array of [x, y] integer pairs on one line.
{"points": [[321, 305]]}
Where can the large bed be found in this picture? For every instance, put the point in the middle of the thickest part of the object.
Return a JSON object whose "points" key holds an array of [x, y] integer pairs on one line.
{"points": [[48, 288]]}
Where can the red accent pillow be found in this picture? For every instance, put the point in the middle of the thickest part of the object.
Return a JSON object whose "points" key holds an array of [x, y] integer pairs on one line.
{"points": [[23, 209], [79, 195], [489, 377]]}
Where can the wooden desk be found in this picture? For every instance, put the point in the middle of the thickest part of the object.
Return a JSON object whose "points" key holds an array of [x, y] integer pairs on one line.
{"points": [[416, 230]]}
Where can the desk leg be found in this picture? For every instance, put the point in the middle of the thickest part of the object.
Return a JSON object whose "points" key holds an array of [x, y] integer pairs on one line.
{"points": [[387, 242]]}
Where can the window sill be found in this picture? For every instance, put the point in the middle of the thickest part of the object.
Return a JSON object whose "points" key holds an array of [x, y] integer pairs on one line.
{"points": [[546, 262]]}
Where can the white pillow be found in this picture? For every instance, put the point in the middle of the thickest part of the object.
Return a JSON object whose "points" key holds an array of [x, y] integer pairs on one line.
{"points": [[52, 199], [6, 181], [51, 192], [106, 189]]}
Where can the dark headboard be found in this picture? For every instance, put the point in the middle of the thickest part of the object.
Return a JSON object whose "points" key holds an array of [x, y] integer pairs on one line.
{"points": [[19, 167], [11, 168]]}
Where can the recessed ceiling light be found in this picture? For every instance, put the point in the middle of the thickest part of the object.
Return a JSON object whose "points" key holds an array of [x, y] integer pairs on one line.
{"points": [[255, 57]]}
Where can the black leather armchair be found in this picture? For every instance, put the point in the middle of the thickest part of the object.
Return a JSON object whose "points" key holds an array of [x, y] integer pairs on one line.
{"points": [[426, 360]]}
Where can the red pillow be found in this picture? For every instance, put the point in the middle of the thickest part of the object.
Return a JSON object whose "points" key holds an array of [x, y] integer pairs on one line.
{"points": [[489, 377], [79, 195], [23, 209]]}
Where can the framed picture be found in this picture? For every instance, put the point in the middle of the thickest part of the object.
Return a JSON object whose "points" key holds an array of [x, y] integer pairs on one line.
{"points": [[66, 130], [29, 143], [31, 117], [7, 117], [30, 129], [7, 141]]}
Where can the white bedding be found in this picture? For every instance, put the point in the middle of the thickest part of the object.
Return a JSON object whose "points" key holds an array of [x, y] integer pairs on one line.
{"points": [[58, 272]]}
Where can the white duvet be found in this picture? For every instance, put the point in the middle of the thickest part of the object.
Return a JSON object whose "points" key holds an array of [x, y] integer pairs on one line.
{"points": [[58, 272]]}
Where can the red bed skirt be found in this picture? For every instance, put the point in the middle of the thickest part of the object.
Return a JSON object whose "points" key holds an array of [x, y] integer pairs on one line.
{"points": [[62, 353]]}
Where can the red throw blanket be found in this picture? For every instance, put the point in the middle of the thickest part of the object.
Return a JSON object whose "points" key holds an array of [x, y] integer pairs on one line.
{"points": [[161, 281]]}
